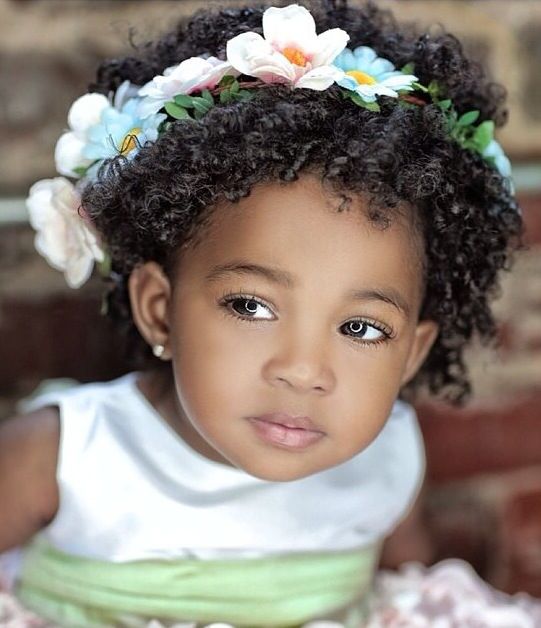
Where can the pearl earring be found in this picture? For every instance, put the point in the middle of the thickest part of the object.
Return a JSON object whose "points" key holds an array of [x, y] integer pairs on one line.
{"points": [[158, 350]]}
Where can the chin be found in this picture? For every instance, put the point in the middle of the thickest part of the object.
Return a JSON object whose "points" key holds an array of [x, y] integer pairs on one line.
{"points": [[277, 472]]}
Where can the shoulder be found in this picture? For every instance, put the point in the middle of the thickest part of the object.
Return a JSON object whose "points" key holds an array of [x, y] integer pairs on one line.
{"points": [[29, 446]]}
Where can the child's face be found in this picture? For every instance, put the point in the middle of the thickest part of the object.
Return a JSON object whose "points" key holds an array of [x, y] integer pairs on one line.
{"points": [[280, 348]]}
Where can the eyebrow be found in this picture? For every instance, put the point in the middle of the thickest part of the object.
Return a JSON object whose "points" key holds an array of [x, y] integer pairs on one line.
{"points": [[287, 280]]}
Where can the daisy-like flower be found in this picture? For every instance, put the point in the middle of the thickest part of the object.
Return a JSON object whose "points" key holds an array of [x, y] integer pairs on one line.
{"points": [[120, 131], [369, 75], [101, 128], [63, 237], [290, 50], [193, 74]]}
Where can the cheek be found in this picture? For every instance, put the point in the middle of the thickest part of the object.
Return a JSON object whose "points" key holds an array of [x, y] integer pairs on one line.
{"points": [[368, 385], [215, 364]]}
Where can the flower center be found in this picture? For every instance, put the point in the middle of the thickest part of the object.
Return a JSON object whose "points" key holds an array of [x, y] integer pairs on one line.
{"points": [[361, 77], [130, 141], [294, 55]]}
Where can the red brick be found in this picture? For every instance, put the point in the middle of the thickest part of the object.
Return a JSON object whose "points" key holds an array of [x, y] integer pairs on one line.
{"points": [[462, 442], [531, 208], [58, 336]]}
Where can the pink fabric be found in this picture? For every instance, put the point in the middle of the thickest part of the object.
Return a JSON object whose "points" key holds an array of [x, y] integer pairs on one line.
{"points": [[446, 595]]}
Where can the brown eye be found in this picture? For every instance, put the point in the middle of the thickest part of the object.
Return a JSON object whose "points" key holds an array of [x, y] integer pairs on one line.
{"points": [[247, 307], [365, 331]]}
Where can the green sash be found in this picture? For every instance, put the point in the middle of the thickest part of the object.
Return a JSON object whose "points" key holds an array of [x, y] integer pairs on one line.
{"points": [[256, 592]]}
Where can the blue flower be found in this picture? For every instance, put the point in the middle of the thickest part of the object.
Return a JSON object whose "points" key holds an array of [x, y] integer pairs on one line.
{"points": [[120, 131], [494, 154], [369, 75]]}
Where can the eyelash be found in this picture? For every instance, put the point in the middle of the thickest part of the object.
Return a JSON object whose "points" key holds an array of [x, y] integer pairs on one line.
{"points": [[230, 297]]}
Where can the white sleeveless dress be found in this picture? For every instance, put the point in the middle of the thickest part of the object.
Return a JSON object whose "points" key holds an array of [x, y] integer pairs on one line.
{"points": [[132, 489]]}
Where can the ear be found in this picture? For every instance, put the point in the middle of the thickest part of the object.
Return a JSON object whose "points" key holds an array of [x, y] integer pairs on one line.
{"points": [[150, 294], [426, 333]]}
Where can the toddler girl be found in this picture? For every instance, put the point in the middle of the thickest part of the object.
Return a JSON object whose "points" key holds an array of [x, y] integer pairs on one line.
{"points": [[302, 213]]}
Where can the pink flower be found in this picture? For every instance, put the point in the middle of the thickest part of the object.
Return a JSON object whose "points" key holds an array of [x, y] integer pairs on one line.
{"points": [[290, 51], [62, 237], [193, 74]]}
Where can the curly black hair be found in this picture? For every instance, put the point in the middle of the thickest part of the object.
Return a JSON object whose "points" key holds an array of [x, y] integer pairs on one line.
{"points": [[468, 218]]}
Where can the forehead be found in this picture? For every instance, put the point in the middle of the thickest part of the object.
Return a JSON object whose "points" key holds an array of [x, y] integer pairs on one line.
{"points": [[295, 227]]}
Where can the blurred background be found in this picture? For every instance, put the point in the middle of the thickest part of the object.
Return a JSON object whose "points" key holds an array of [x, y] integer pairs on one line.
{"points": [[482, 496]]}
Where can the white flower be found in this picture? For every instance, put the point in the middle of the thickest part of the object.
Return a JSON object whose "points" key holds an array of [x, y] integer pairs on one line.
{"points": [[290, 51], [83, 114], [369, 75], [62, 237], [193, 74]]}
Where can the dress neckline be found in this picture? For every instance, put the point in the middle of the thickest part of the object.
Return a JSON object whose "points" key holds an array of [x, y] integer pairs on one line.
{"points": [[174, 436]]}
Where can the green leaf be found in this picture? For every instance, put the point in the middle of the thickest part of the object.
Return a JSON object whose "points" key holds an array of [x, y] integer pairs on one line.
{"points": [[444, 105], [198, 114], [207, 96], [183, 100], [371, 106], [409, 68], [175, 111], [468, 118], [80, 171], [242, 96], [471, 145], [200, 104], [434, 90], [104, 267], [419, 87], [227, 80], [225, 96], [235, 87], [247, 94], [484, 134]]}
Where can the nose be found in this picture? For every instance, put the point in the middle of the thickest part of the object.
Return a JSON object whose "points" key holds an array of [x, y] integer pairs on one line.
{"points": [[301, 362]]}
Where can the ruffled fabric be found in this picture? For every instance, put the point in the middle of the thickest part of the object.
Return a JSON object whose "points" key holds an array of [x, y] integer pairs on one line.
{"points": [[448, 595]]}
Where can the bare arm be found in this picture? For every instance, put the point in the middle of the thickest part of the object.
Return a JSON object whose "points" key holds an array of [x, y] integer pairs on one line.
{"points": [[28, 488]]}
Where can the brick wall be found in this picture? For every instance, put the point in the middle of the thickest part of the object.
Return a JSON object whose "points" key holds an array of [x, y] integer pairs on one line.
{"points": [[482, 500]]}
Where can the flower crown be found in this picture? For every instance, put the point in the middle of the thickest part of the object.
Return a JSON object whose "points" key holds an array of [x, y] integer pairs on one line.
{"points": [[290, 52]]}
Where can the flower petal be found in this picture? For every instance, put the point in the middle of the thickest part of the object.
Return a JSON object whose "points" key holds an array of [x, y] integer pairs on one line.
{"points": [[125, 93], [47, 223], [364, 55], [379, 66], [195, 73], [399, 81], [86, 111], [346, 60], [330, 44], [250, 54], [366, 91], [149, 106], [289, 26], [347, 81], [320, 78], [68, 154], [62, 237]]}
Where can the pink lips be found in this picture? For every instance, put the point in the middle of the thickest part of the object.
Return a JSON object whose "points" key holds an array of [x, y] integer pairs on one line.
{"points": [[283, 429]]}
